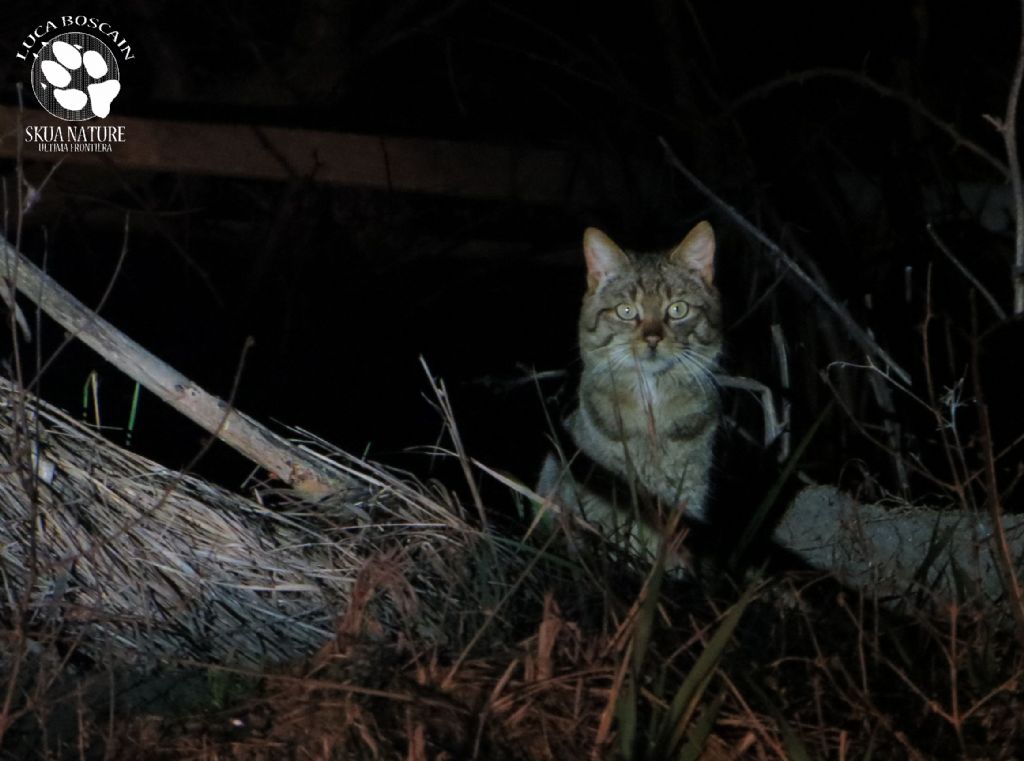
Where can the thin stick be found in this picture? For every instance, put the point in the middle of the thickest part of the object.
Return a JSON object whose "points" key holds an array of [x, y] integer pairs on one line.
{"points": [[861, 336], [1000, 312], [773, 426], [445, 403], [1003, 556], [782, 355], [863, 80], [1009, 130]]}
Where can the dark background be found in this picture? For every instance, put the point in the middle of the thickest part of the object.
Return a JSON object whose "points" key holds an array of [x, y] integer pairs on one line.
{"points": [[344, 289]]}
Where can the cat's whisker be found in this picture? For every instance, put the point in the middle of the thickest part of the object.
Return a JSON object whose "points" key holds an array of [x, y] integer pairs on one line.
{"points": [[707, 374], [699, 368], [705, 367], [616, 357], [692, 371]]}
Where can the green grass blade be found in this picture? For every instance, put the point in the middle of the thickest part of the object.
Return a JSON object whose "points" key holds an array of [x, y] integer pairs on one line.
{"points": [[687, 698], [655, 719], [698, 735], [796, 749], [649, 608], [626, 713], [627, 708], [131, 414]]}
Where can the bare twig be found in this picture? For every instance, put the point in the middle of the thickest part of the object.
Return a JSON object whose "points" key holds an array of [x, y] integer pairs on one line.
{"points": [[1004, 558], [782, 354], [773, 425], [445, 403], [1009, 131], [7, 294], [1000, 312], [874, 440], [954, 457], [881, 386], [859, 334], [863, 80]]}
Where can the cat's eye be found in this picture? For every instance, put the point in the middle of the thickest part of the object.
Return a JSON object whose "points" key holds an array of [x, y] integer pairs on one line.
{"points": [[626, 312], [678, 310]]}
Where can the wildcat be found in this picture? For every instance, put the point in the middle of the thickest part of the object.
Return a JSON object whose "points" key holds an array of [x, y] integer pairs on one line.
{"points": [[638, 445]]}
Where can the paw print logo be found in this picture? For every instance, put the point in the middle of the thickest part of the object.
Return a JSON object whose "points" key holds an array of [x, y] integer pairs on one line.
{"points": [[76, 77]]}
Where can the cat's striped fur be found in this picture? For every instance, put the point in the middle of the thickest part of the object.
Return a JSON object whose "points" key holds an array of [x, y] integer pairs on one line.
{"points": [[639, 443]]}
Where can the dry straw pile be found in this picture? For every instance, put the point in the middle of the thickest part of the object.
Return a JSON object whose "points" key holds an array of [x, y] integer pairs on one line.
{"points": [[137, 563]]}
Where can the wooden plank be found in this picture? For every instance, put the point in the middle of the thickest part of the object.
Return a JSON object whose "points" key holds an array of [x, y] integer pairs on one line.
{"points": [[310, 475], [445, 167]]}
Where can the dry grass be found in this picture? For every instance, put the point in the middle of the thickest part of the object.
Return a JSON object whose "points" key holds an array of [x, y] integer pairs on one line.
{"points": [[158, 564], [148, 613]]}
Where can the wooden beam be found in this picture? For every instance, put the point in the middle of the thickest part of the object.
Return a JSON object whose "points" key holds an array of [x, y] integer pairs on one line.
{"points": [[311, 476], [445, 167]]}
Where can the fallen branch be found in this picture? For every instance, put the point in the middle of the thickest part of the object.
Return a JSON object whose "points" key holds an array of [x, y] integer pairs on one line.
{"points": [[303, 472], [942, 554]]}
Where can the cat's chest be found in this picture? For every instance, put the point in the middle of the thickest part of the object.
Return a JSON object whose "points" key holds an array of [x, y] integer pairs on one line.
{"points": [[639, 407], [662, 440]]}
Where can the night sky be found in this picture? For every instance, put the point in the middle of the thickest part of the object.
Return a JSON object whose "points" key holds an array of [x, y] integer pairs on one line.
{"points": [[827, 126]]}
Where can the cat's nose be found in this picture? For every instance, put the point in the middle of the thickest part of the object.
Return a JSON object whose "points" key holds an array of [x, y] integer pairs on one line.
{"points": [[652, 332]]}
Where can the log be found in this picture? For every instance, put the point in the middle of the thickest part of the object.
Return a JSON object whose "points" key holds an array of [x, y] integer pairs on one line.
{"points": [[421, 165], [901, 552]]}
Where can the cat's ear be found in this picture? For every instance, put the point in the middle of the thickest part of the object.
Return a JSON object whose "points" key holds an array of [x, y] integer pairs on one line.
{"points": [[604, 257], [697, 251]]}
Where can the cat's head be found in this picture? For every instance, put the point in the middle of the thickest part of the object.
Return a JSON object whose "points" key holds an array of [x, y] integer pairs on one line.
{"points": [[652, 312]]}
